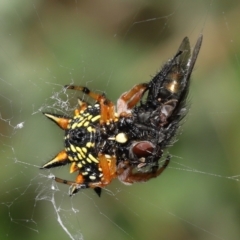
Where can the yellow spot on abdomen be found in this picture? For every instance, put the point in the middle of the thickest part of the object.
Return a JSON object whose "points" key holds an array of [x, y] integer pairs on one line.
{"points": [[86, 124], [89, 144], [94, 119], [93, 158], [81, 152], [81, 123], [88, 160], [73, 149]]}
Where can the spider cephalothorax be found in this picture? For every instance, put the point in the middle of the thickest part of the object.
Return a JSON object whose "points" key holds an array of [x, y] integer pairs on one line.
{"points": [[102, 144]]}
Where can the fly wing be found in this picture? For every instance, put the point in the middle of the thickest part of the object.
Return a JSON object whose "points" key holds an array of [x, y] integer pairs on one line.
{"points": [[188, 66], [184, 53], [194, 55]]}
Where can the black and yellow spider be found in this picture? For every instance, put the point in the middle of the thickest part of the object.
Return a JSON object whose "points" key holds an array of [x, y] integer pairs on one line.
{"points": [[102, 143]]}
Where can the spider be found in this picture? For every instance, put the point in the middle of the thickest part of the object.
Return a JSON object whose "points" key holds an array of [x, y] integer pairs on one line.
{"points": [[102, 143]]}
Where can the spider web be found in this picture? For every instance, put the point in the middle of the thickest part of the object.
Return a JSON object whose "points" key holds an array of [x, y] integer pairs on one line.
{"points": [[109, 46]]}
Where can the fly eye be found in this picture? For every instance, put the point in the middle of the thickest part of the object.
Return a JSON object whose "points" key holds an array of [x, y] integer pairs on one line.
{"points": [[143, 149]]}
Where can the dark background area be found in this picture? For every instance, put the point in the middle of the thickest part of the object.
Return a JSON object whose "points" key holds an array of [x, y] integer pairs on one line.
{"points": [[110, 46]]}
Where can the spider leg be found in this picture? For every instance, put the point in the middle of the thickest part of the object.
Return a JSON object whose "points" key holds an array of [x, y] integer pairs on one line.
{"points": [[127, 176], [76, 187], [107, 108], [107, 164], [129, 99], [108, 168]]}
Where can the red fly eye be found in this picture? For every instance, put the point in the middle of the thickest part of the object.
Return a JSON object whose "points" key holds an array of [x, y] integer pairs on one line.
{"points": [[143, 149]]}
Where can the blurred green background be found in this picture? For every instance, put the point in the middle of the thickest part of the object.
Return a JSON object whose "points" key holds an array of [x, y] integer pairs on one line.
{"points": [[109, 46]]}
